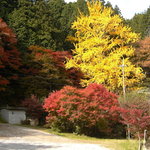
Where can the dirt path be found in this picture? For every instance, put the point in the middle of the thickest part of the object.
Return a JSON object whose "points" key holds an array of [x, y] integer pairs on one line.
{"points": [[21, 138]]}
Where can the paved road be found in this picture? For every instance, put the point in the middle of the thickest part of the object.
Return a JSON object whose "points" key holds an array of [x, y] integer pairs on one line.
{"points": [[21, 138]]}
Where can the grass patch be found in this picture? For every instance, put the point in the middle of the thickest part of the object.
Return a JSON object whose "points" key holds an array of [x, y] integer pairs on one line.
{"points": [[113, 144], [128, 145]]}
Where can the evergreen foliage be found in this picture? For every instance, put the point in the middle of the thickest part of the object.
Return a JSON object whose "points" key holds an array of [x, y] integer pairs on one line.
{"points": [[140, 23], [6, 7], [44, 23], [33, 24]]}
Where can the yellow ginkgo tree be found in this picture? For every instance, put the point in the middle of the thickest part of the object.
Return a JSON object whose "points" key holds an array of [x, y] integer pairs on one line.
{"points": [[102, 41]]}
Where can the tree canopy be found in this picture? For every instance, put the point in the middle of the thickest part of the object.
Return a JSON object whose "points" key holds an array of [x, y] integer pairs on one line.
{"points": [[102, 41], [9, 55], [140, 23]]}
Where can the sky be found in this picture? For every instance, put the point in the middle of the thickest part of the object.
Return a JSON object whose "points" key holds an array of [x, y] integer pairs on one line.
{"points": [[128, 7]]}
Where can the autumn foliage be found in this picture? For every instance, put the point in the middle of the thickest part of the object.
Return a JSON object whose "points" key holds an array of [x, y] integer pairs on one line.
{"points": [[96, 111], [34, 109], [102, 41], [142, 58], [9, 55], [136, 114], [89, 110], [143, 52], [52, 63]]}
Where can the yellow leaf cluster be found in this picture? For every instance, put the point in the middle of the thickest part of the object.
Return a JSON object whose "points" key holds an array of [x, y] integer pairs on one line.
{"points": [[102, 40]]}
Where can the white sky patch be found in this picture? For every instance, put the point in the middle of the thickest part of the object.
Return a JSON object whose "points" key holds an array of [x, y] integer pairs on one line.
{"points": [[70, 1], [128, 7]]}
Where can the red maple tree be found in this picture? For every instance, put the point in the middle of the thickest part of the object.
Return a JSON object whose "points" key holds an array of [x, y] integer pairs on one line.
{"points": [[9, 55], [58, 59], [136, 114]]}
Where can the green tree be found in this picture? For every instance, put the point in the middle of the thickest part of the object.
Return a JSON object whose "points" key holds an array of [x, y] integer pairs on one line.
{"points": [[137, 24], [147, 23], [6, 7], [117, 10], [140, 23], [82, 6], [33, 24], [56, 8]]}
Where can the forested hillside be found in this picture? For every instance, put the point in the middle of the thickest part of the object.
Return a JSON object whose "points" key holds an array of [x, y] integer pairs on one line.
{"points": [[73, 62], [39, 32], [39, 29], [140, 23]]}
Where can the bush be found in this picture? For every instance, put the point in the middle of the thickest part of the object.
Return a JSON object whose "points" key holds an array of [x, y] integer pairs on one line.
{"points": [[136, 113], [34, 109], [90, 111]]}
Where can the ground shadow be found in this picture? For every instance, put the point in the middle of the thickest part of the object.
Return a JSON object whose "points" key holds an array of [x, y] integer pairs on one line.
{"points": [[25, 146], [7, 130]]}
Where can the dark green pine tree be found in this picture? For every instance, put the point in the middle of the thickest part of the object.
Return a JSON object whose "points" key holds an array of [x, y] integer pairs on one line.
{"points": [[140, 23], [137, 24], [33, 24], [117, 10], [63, 16], [146, 21], [56, 8], [6, 7], [82, 6], [69, 14]]}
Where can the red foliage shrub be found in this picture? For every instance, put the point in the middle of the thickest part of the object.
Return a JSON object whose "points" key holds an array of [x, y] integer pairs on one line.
{"points": [[33, 107], [82, 109], [136, 114]]}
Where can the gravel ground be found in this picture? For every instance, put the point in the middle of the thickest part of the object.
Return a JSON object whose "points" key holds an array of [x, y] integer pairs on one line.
{"points": [[21, 138]]}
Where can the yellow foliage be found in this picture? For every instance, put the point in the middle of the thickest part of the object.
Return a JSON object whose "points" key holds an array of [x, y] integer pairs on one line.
{"points": [[102, 40]]}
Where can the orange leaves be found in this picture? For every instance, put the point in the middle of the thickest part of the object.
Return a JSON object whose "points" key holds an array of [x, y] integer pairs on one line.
{"points": [[143, 53], [7, 33]]}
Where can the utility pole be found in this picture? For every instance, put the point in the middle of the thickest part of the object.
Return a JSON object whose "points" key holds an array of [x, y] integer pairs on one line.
{"points": [[123, 79], [124, 93]]}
